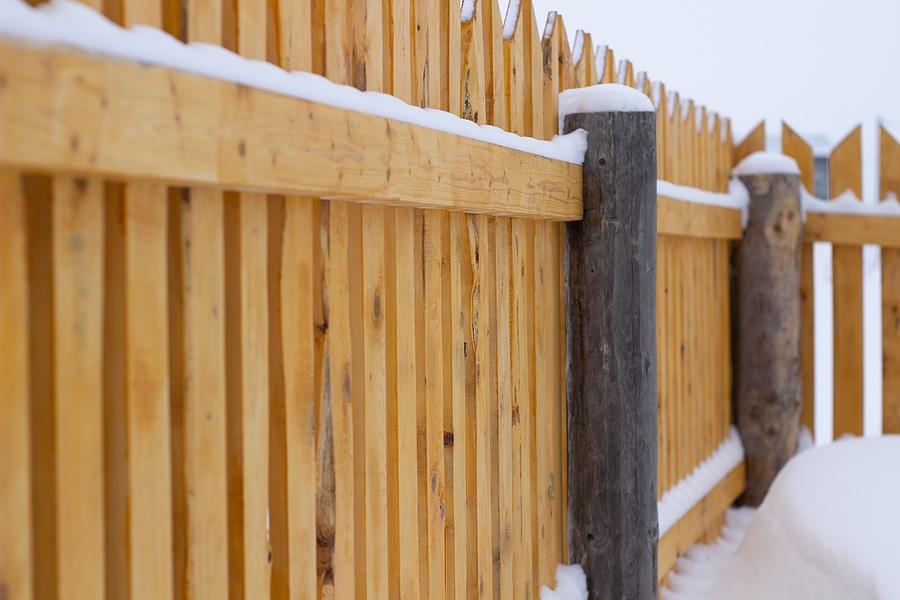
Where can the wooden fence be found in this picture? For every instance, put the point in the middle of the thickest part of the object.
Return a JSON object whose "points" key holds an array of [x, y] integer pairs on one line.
{"points": [[847, 233], [312, 372]]}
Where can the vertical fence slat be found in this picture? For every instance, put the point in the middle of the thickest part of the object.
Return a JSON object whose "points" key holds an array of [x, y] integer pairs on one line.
{"points": [[434, 398], [338, 401], [505, 496], [77, 338], [404, 540], [295, 351], [16, 544], [478, 235], [794, 146], [889, 183], [845, 174], [248, 392], [39, 251], [463, 366], [376, 401], [147, 392], [198, 396]]}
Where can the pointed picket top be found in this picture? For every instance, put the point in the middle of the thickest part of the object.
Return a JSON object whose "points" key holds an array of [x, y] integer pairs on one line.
{"points": [[797, 148], [845, 166], [549, 25], [889, 178], [754, 142], [625, 74], [514, 69], [658, 93], [578, 46], [701, 122], [511, 19], [584, 60], [674, 102], [590, 61], [566, 64], [608, 74], [550, 47], [474, 100]]}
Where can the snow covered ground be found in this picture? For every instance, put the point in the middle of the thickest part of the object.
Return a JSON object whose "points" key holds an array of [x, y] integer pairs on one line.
{"points": [[829, 528]]}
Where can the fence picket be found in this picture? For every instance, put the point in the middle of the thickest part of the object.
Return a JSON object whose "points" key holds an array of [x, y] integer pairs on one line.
{"points": [[845, 174], [16, 541], [890, 292]]}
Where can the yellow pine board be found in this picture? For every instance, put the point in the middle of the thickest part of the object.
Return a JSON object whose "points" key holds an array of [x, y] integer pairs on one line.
{"points": [[523, 402], [199, 398], [463, 375], [16, 543], [690, 219], [295, 313], [373, 318], [147, 392], [435, 396], [248, 398], [890, 324], [405, 539], [505, 497], [845, 174], [890, 291], [265, 148], [852, 230], [78, 245]]}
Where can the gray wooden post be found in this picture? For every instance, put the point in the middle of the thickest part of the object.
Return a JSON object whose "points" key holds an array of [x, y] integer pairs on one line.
{"points": [[610, 279], [768, 385]]}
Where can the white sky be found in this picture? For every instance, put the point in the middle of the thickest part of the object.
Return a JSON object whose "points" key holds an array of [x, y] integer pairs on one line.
{"points": [[822, 66]]}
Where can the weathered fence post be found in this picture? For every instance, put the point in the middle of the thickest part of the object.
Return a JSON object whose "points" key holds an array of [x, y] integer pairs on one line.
{"points": [[610, 279], [768, 385]]}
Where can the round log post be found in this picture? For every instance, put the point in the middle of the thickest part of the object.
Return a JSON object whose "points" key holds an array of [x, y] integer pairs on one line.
{"points": [[610, 280], [768, 385]]}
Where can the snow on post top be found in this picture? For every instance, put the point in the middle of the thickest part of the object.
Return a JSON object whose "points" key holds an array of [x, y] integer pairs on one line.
{"points": [[605, 97], [766, 162]]}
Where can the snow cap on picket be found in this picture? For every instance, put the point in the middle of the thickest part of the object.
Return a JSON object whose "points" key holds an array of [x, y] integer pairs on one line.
{"points": [[768, 163]]}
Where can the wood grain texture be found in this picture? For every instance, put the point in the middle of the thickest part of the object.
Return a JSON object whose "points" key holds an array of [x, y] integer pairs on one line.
{"points": [[77, 216], [295, 351], [247, 340], [890, 293], [147, 393], [264, 149], [845, 173], [852, 230], [16, 541], [677, 217], [768, 384], [198, 393], [613, 468]]}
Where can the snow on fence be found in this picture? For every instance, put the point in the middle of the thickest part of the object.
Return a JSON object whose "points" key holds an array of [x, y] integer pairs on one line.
{"points": [[260, 346]]}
